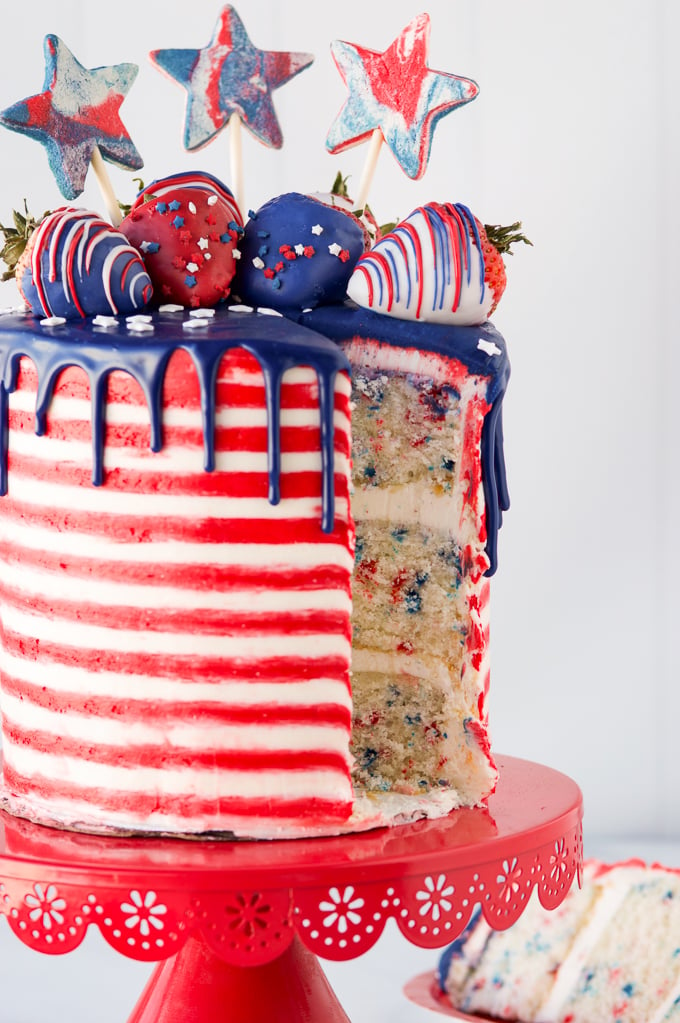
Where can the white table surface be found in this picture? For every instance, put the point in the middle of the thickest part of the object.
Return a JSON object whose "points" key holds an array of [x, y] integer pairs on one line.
{"points": [[94, 984]]}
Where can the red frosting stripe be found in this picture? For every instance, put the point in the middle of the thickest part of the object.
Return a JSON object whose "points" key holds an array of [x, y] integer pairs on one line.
{"points": [[196, 576], [168, 713], [141, 805]]}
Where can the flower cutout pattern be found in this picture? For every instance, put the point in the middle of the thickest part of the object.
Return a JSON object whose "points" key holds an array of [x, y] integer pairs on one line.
{"points": [[341, 909], [435, 897], [143, 911], [45, 906], [509, 880], [250, 914], [558, 862]]}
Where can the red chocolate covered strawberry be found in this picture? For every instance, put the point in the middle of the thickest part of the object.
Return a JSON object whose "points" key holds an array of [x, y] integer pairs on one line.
{"points": [[187, 228]]}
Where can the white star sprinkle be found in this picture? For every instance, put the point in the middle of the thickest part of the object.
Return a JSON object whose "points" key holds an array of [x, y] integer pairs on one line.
{"points": [[335, 249], [212, 199], [317, 229], [192, 267], [202, 243], [192, 207], [236, 253], [489, 347], [105, 321], [299, 250], [258, 263]]}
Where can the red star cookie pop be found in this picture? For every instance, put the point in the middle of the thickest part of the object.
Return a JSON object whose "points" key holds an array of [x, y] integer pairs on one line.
{"points": [[397, 93], [76, 116]]}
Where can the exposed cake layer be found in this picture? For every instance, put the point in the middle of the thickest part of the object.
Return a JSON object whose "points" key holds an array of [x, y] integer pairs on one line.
{"points": [[176, 642], [609, 952], [420, 672]]}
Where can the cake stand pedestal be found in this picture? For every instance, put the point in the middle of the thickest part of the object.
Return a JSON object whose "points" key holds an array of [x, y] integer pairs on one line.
{"points": [[237, 927]]}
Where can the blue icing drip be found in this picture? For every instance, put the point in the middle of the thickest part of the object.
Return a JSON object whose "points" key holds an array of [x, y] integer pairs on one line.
{"points": [[351, 321], [327, 415], [274, 343], [272, 383], [494, 483]]}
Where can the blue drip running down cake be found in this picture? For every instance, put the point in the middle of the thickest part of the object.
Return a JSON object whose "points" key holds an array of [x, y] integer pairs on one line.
{"points": [[610, 953]]}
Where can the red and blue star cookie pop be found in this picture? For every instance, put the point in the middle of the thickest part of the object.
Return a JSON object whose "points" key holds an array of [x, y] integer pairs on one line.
{"points": [[75, 114], [397, 93], [229, 76]]}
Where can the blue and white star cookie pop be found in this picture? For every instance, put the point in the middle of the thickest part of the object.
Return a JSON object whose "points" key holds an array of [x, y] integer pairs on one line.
{"points": [[76, 117], [230, 76]]}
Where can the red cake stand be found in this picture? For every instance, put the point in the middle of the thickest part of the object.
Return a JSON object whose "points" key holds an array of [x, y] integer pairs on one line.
{"points": [[236, 927]]}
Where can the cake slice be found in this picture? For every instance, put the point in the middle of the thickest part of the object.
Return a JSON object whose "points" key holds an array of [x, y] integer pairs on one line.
{"points": [[610, 952]]}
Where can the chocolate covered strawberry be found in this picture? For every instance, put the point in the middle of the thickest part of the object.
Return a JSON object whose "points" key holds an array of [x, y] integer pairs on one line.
{"points": [[440, 265], [73, 264], [187, 228]]}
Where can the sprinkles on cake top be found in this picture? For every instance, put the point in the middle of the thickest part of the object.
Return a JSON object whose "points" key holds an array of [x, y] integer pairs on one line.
{"points": [[398, 93], [76, 113], [228, 76]]}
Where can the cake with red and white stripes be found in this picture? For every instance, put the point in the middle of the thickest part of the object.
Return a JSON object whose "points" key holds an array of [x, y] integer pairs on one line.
{"points": [[177, 539]]}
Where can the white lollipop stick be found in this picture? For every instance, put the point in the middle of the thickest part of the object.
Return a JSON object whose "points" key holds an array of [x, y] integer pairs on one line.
{"points": [[104, 182], [369, 168], [236, 159]]}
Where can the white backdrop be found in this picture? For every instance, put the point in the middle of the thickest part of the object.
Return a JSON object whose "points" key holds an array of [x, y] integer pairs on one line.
{"points": [[575, 132]]}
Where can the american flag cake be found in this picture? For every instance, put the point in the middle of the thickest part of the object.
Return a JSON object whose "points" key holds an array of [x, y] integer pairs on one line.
{"points": [[194, 639]]}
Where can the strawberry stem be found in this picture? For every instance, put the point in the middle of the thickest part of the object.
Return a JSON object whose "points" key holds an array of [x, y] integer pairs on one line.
{"points": [[16, 239], [503, 238]]}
